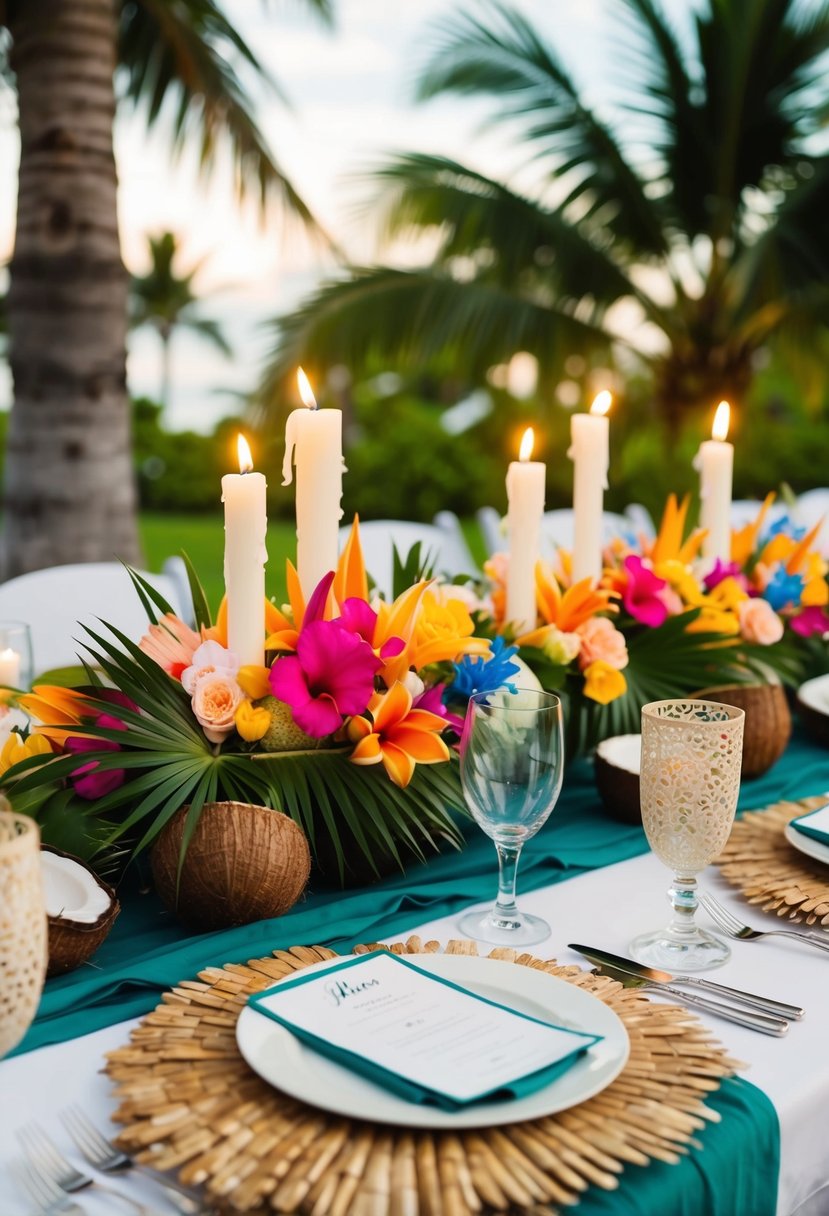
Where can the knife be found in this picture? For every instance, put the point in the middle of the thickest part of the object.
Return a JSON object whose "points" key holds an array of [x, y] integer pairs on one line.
{"points": [[765, 1003], [633, 974]]}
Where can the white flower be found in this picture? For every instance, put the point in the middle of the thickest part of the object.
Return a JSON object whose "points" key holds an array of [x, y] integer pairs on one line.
{"points": [[210, 659]]}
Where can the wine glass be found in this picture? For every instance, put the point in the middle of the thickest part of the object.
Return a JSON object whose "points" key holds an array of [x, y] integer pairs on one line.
{"points": [[689, 783], [23, 942], [512, 754]]}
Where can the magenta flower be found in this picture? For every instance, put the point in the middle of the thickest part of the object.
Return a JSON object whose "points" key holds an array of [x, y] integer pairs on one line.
{"points": [[810, 620], [88, 783], [432, 700], [642, 598], [723, 570], [359, 617], [330, 677]]}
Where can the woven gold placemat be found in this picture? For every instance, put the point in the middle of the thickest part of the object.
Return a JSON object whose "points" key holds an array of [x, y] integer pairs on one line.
{"points": [[770, 872], [189, 1102]]}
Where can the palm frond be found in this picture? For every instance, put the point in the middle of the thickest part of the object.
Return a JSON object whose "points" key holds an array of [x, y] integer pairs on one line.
{"points": [[180, 59], [496, 52], [417, 315]]}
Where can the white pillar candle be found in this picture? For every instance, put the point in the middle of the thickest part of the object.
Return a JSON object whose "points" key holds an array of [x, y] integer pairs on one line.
{"points": [[715, 464], [314, 439], [10, 667], [525, 499], [590, 453], [246, 523]]}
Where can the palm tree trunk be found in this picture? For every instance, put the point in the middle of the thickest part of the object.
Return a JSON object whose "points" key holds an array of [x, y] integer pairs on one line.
{"points": [[166, 335], [69, 493]]}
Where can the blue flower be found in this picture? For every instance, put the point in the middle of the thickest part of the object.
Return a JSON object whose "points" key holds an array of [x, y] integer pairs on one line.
{"points": [[784, 590], [786, 526], [477, 674]]}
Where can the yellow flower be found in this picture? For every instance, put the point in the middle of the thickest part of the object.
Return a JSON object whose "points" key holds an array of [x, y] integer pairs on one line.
{"points": [[16, 749], [398, 736], [680, 577], [443, 632], [720, 608], [58, 710], [254, 680], [603, 683], [252, 721]]}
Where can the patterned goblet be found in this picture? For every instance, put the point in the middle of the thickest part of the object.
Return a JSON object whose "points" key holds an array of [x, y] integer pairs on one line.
{"points": [[689, 783], [23, 942]]}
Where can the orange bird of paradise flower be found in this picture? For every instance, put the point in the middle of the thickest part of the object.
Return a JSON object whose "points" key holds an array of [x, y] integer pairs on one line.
{"points": [[398, 737]]}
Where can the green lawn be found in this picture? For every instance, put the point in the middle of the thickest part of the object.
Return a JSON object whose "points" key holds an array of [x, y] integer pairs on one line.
{"points": [[201, 537]]}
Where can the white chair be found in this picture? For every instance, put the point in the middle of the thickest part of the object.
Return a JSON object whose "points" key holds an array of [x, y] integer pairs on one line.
{"points": [[745, 510], [442, 545], [56, 604], [812, 507], [557, 527]]}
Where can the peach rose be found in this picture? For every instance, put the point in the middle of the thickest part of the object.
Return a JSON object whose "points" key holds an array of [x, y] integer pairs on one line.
{"points": [[601, 642], [759, 622], [215, 700]]}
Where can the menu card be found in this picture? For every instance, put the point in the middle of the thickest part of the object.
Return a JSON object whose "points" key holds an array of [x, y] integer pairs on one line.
{"points": [[423, 1037], [815, 824]]}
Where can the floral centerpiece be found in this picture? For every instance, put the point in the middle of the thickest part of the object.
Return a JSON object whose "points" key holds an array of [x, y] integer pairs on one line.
{"points": [[662, 623], [347, 727]]}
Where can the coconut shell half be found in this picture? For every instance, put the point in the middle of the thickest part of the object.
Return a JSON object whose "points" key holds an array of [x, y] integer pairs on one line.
{"points": [[80, 909], [813, 708], [616, 764], [243, 863], [768, 722]]}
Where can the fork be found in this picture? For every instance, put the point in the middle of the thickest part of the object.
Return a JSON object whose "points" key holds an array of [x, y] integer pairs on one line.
{"points": [[47, 1159], [43, 1191], [104, 1156], [734, 927]]}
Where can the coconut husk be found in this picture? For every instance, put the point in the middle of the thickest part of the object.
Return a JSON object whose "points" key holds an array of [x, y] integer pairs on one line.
{"points": [[71, 942], [768, 723], [244, 863]]}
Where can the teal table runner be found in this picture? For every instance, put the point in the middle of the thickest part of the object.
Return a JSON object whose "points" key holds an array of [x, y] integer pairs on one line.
{"points": [[148, 951]]}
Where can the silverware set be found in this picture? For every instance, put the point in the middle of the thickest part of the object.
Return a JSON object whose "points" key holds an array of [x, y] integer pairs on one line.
{"points": [[764, 1014], [51, 1181]]}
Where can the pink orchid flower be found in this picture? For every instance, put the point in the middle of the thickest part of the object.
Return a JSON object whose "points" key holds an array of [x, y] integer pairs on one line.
{"points": [[810, 620], [432, 701], [88, 783], [330, 677], [643, 594]]}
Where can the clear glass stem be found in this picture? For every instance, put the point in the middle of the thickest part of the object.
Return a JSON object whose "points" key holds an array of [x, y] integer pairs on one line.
{"points": [[506, 909], [683, 900]]}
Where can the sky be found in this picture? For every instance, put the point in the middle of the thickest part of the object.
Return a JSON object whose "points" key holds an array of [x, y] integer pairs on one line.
{"points": [[351, 91]]}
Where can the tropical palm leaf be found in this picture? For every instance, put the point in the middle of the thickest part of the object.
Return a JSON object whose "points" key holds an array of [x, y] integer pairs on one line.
{"points": [[179, 60]]}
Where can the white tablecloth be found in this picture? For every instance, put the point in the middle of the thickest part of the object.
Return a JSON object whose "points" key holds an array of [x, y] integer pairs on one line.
{"points": [[606, 907]]}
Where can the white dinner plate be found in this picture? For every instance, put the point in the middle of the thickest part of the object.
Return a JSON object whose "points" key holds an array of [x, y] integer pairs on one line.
{"points": [[286, 1063], [807, 844]]}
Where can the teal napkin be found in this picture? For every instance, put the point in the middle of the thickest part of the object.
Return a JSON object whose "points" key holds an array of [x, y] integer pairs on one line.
{"points": [[815, 824], [407, 1086]]}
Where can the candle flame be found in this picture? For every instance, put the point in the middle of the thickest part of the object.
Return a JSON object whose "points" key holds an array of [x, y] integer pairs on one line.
{"points": [[526, 449], [305, 390], [721, 420], [601, 403], [245, 458]]}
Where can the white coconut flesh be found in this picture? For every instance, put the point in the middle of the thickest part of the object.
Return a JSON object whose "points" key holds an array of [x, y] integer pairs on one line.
{"points": [[622, 751], [71, 891], [815, 694]]}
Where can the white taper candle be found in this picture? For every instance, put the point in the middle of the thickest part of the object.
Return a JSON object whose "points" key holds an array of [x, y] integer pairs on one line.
{"points": [[525, 498], [246, 524]]}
